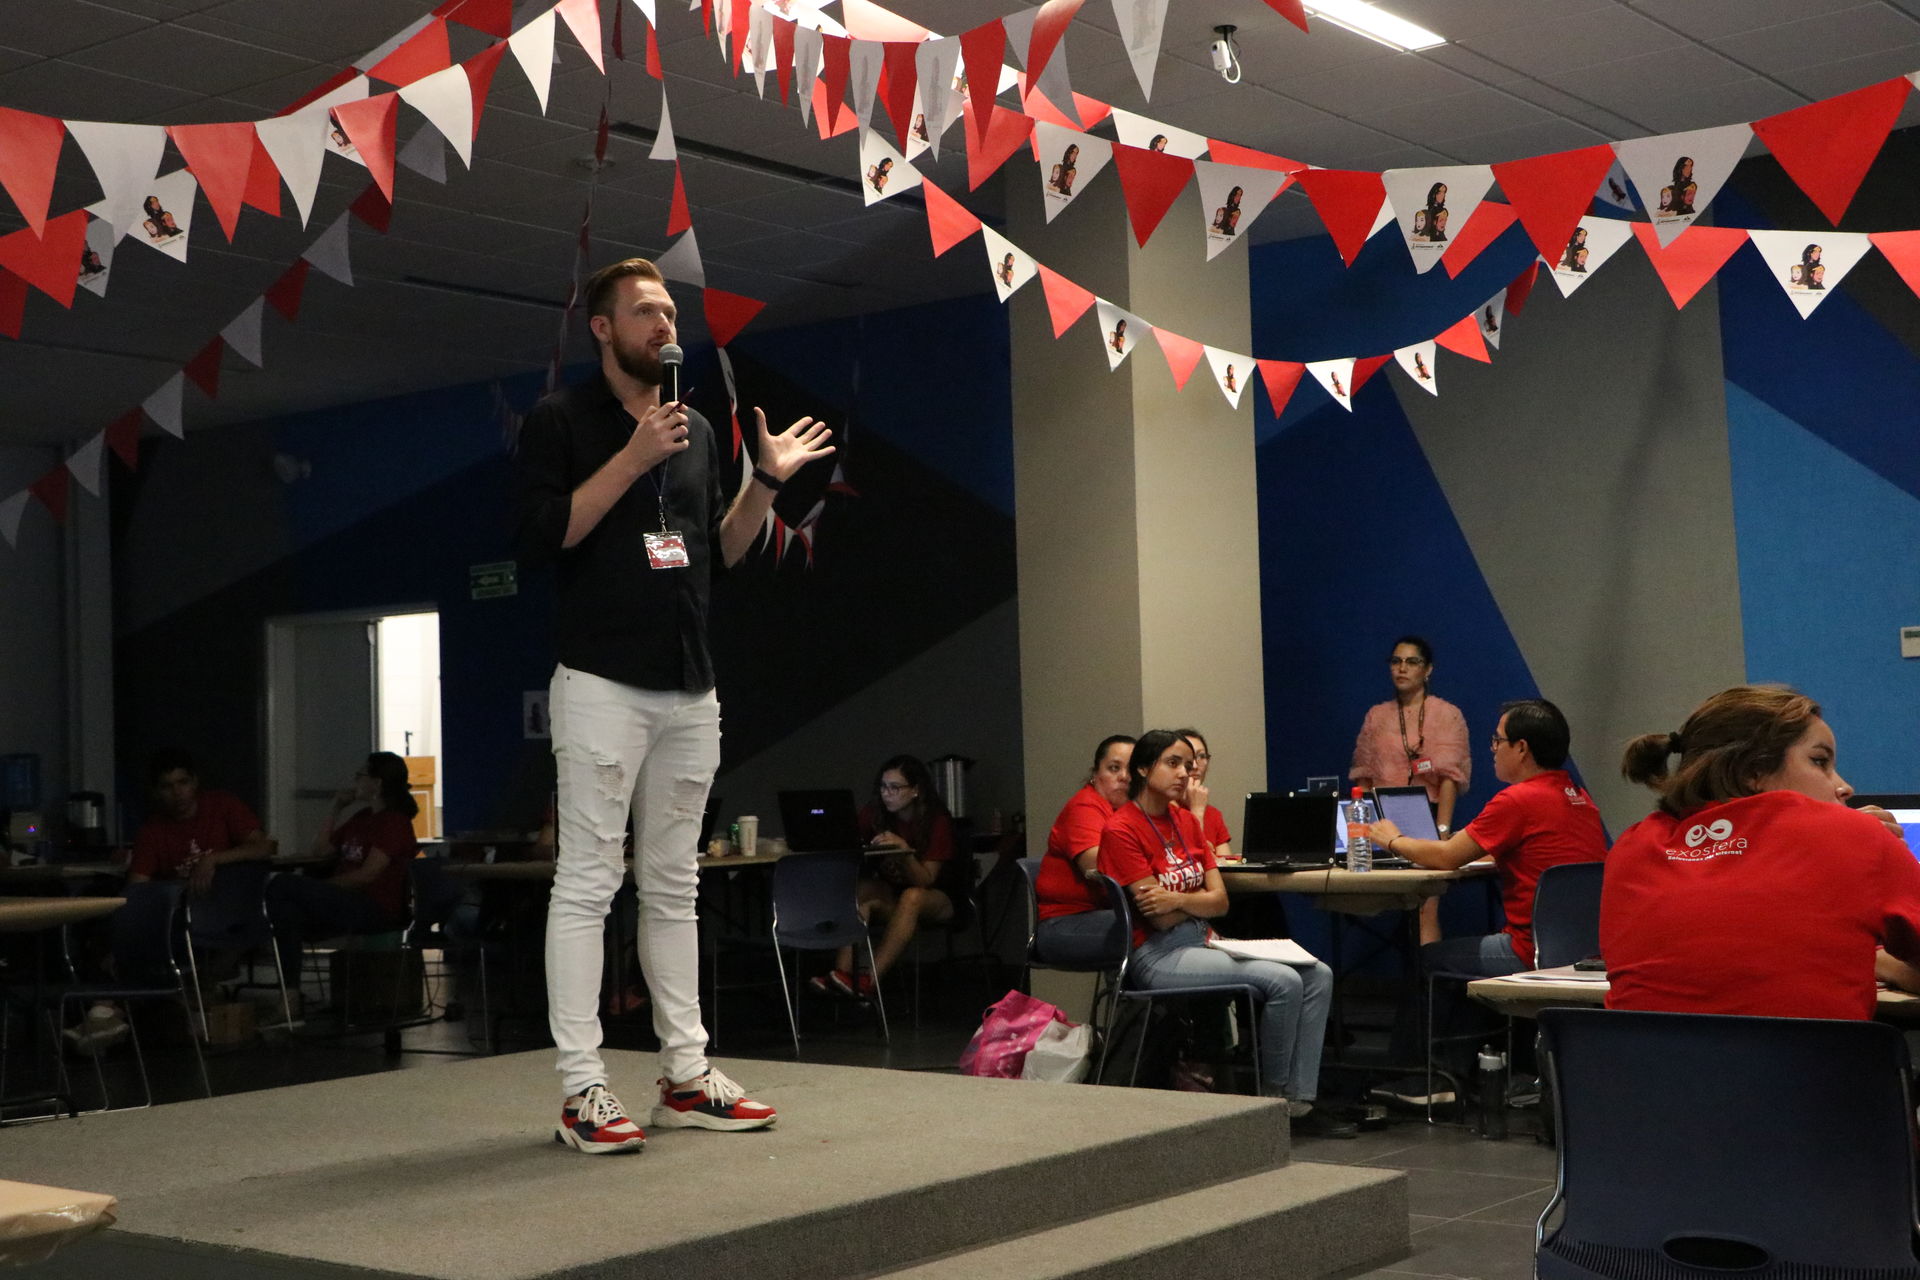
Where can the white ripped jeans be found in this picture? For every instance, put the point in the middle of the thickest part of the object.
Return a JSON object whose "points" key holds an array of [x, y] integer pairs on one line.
{"points": [[620, 749]]}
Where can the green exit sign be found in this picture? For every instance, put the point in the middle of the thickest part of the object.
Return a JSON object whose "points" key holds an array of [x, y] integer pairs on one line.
{"points": [[494, 581]]}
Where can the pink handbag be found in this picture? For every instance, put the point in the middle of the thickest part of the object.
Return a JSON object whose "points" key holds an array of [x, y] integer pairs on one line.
{"points": [[1011, 1028]]}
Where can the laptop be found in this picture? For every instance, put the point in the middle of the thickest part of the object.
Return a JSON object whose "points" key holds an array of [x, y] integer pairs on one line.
{"points": [[1409, 809], [1905, 810], [819, 821], [1288, 831]]}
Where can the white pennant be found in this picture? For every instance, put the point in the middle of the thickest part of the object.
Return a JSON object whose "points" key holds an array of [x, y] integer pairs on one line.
{"points": [[84, 463], [1143, 131], [863, 77], [934, 63], [1010, 267], [884, 172], [243, 333], [1069, 161], [1142, 23], [1431, 205], [445, 98], [1336, 376], [167, 214], [1231, 372], [1676, 174], [665, 145], [163, 406], [1120, 331], [806, 68], [532, 47], [125, 158], [10, 513], [1492, 318], [1417, 360], [1231, 197], [683, 262], [425, 154], [96, 261], [646, 11], [328, 254], [297, 145], [1809, 264], [1593, 241]]}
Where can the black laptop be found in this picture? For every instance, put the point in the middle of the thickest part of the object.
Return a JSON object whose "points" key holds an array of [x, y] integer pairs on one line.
{"points": [[1288, 831], [819, 821]]}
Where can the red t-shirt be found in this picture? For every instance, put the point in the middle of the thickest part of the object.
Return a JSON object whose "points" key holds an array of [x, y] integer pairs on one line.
{"points": [[1214, 827], [1060, 888], [390, 833], [1527, 827], [1769, 905], [938, 837], [167, 848], [1135, 846]]}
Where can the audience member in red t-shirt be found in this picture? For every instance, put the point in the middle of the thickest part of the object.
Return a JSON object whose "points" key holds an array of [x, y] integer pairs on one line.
{"points": [[1752, 889], [1212, 825], [1074, 916], [370, 834], [922, 878], [1154, 848], [192, 832]]}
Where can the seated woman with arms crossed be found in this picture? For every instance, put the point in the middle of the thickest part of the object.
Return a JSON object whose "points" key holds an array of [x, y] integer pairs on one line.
{"points": [[1074, 915], [1155, 848]]}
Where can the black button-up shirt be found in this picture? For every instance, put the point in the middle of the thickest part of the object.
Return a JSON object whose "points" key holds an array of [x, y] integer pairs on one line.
{"points": [[617, 616]]}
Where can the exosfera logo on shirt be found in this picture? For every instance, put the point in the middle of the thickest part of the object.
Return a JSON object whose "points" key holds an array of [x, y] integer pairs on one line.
{"points": [[1709, 840]]}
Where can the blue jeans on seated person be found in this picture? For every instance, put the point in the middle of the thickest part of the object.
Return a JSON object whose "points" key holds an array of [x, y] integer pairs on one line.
{"points": [[1079, 939], [306, 910], [1294, 1008], [1490, 956]]}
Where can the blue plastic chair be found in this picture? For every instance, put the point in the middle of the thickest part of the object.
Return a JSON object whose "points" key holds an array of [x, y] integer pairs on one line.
{"points": [[815, 909], [1697, 1144], [1566, 914], [1109, 971]]}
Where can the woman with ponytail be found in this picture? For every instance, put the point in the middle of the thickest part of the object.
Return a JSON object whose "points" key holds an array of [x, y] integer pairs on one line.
{"points": [[1752, 888]]}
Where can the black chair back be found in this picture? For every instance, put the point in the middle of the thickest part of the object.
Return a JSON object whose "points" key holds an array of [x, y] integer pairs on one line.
{"points": [[814, 903], [1566, 914], [144, 932], [1118, 944], [229, 914], [1691, 1143]]}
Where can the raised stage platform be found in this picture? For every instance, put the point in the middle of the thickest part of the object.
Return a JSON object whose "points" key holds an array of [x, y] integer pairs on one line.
{"points": [[452, 1172]]}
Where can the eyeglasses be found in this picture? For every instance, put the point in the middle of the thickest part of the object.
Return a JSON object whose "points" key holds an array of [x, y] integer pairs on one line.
{"points": [[1201, 755], [1497, 740], [1406, 662], [895, 788]]}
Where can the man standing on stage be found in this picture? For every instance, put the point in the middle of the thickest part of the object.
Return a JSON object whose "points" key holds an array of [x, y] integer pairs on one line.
{"points": [[624, 493]]}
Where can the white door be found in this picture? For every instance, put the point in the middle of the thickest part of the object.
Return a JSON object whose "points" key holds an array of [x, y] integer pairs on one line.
{"points": [[321, 700]]}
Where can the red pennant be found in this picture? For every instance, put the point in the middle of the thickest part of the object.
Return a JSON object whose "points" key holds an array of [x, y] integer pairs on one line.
{"points": [[583, 19], [1902, 250], [1151, 181], [654, 68], [424, 54], [204, 369], [319, 91], [123, 437], [783, 34], [898, 81], [1347, 200], [1233, 153], [600, 135], [29, 155], [52, 489], [1066, 301], [737, 32], [1828, 146], [836, 53], [948, 221], [1487, 224], [373, 208], [369, 124], [480, 68], [1463, 338], [679, 218], [848, 121], [728, 314], [1003, 137], [283, 295], [495, 17], [980, 51], [263, 181], [620, 31], [1522, 288], [1549, 194], [50, 263], [1049, 25], [1693, 257], [1183, 355], [1364, 369], [1090, 110], [1292, 11], [1281, 377], [220, 156], [706, 17], [13, 303]]}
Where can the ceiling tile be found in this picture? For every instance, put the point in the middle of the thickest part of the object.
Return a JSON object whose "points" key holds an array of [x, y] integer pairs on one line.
{"points": [[1827, 79], [59, 88], [1823, 38], [1525, 140], [1440, 123], [1627, 86], [53, 27], [1354, 89], [1460, 20], [1545, 50], [1714, 19]]}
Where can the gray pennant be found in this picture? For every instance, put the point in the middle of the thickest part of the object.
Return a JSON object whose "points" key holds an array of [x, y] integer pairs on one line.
{"points": [[243, 333], [934, 61], [682, 262], [163, 406], [328, 254], [863, 77], [806, 69], [425, 154]]}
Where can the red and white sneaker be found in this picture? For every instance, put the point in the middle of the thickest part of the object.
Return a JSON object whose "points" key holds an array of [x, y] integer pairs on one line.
{"points": [[596, 1123], [711, 1102]]}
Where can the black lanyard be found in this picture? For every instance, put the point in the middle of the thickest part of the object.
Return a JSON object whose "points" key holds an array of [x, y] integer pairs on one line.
{"points": [[1413, 752], [1166, 845]]}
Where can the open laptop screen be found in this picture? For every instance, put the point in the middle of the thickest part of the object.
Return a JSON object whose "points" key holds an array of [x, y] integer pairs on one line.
{"points": [[1408, 809]]}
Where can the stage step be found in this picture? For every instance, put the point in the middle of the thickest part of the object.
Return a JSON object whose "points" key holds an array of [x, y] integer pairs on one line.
{"points": [[1301, 1220]]}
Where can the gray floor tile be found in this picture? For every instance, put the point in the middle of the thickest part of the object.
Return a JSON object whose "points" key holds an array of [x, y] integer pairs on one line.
{"points": [[1463, 1152], [1422, 1221], [1468, 1251], [1523, 1210], [1447, 1193]]}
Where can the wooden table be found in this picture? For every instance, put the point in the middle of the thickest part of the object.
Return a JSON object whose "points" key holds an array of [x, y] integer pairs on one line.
{"points": [[1526, 997], [35, 1220], [541, 870], [1355, 893], [25, 915], [58, 872]]}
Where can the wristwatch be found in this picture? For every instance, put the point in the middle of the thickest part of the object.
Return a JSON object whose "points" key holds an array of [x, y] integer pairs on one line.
{"points": [[1444, 830]]}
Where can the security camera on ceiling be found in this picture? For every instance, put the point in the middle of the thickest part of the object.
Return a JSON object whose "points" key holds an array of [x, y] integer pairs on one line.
{"points": [[1226, 58]]}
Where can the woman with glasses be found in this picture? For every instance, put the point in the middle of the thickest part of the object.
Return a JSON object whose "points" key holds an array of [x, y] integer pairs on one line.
{"points": [[919, 875], [1415, 737], [1212, 825]]}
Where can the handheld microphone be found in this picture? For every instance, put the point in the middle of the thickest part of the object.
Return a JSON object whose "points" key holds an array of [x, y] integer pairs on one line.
{"points": [[670, 360]]}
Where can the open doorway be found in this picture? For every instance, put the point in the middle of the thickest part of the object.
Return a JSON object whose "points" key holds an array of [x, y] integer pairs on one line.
{"points": [[340, 685]]}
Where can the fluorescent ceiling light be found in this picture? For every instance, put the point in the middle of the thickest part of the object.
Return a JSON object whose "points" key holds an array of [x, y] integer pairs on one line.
{"points": [[1375, 23]]}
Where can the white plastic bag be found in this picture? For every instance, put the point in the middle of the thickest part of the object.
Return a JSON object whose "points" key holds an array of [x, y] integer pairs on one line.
{"points": [[1062, 1055]]}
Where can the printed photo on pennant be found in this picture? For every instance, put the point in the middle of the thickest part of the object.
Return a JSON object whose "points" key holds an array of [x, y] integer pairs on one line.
{"points": [[1011, 268], [166, 214], [1593, 241], [96, 260], [339, 143], [1807, 264], [1616, 192], [1337, 377], [884, 172], [1676, 174], [1119, 331], [1139, 131], [1230, 372], [1431, 205], [1491, 317], [1417, 360], [1069, 160], [1231, 197], [919, 140]]}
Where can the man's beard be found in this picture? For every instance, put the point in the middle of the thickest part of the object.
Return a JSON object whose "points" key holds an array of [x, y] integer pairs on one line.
{"points": [[641, 365]]}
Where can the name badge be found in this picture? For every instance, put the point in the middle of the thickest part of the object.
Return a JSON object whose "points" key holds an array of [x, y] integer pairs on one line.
{"points": [[1423, 765], [667, 551]]}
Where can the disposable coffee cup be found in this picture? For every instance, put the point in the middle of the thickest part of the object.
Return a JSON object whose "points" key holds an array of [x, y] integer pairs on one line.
{"points": [[749, 835]]}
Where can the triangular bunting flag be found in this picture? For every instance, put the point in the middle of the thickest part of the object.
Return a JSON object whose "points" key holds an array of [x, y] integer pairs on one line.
{"points": [[583, 19], [10, 512], [1119, 331], [1336, 377], [1151, 181], [1417, 361], [1809, 264], [1433, 205], [1004, 134], [532, 47], [85, 461], [204, 369], [1281, 377], [1902, 251], [1363, 370], [1231, 197], [1010, 267], [1594, 240], [163, 406], [903, 80], [284, 294], [679, 216], [494, 17], [297, 144], [683, 261], [1827, 147], [1690, 261], [263, 182], [1292, 10], [372, 208], [728, 314], [864, 61], [445, 98], [948, 221], [1247, 157], [884, 173], [370, 124], [480, 68], [347, 86], [243, 333], [980, 52], [1142, 24], [123, 437], [329, 252], [1676, 174], [1348, 201], [1049, 27], [1550, 193], [1493, 317], [808, 45], [29, 156], [50, 263], [784, 33], [425, 154], [1521, 287], [419, 56], [665, 145], [168, 214], [1230, 373], [1489, 222], [1183, 354], [1069, 161], [125, 158], [1463, 337], [52, 489], [219, 156], [836, 68], [934, 64], [96, 260], [1155, 135], [1066, 301], [13, 303]]}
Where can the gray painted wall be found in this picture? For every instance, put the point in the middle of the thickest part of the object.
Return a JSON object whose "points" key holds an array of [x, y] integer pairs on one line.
{"points": [[33, 683]]}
